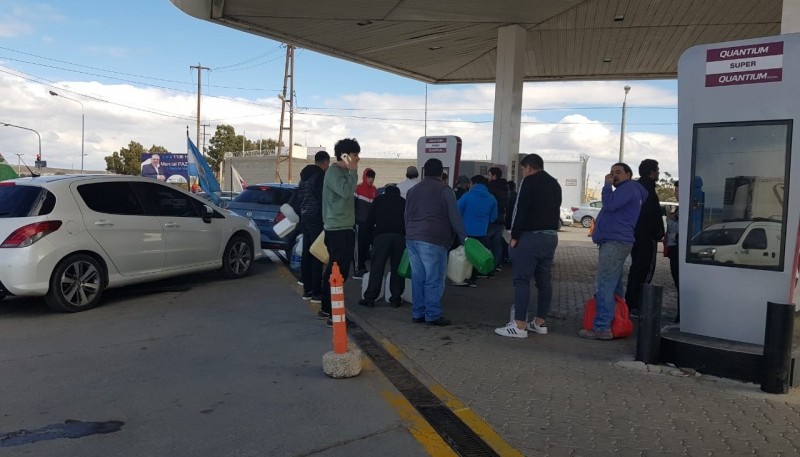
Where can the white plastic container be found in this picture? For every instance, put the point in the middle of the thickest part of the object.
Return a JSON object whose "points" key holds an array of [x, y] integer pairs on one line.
{"points": [[365, 283], [388, 289], [284, 227], [288, 211], [458, 267]]}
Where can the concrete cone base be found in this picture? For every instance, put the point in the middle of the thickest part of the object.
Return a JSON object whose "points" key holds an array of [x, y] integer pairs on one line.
{"points": [[345, 365]]}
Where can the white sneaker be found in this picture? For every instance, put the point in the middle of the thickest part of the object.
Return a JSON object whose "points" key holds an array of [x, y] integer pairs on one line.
{"points": [[540, 329], [512, 331]]}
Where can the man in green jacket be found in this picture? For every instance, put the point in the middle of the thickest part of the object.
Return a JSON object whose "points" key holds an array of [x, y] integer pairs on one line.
{"points": [[339, 216]]}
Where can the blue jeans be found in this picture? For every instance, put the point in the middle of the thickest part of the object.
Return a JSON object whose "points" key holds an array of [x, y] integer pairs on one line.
{"points": [[533, 257], [610, 267], [428, 267]]}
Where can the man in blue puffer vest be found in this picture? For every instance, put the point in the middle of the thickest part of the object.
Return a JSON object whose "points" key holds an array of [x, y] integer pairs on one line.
{"points": [[613, 233], [478, 208]]}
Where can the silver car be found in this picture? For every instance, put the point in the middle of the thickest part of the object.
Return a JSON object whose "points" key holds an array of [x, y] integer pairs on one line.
{"points": [[586, 214]]}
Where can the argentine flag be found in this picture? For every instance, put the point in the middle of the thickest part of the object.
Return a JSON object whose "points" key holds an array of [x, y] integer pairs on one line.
{"points": [[200, 168]]}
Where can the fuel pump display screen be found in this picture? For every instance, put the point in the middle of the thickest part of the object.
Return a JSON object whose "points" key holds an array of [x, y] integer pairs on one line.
{"points": [[738, 211]]}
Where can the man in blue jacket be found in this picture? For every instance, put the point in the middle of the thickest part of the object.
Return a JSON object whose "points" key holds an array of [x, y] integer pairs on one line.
{"points": [[613, 233], [479, 209]]}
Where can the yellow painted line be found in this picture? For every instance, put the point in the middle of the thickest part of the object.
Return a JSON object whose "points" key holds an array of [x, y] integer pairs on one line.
{"points": [[420, 429], [467, 415]]}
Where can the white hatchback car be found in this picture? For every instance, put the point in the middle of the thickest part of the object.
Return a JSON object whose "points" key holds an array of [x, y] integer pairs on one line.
{"points": [[68, 238]]}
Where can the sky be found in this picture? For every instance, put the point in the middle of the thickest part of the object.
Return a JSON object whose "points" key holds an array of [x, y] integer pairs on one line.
{"points": [[128, 64]]}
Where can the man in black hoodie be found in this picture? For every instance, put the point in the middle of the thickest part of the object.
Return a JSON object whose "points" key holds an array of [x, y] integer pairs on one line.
{"points": [[387, 231], [310, 195], [648, 232], [498, 187]]}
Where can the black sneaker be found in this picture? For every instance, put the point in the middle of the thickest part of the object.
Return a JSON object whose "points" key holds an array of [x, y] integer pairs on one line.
{"points": [[316, 298], [633, 313], [323, 315], [367, 303], [472, 284], [395, 303], [306, 295], [359, 274], [418, 320], [441, 322]]}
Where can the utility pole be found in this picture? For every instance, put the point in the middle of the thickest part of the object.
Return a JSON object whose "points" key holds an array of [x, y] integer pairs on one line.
{"points": [[287, 98], [199, 69]]}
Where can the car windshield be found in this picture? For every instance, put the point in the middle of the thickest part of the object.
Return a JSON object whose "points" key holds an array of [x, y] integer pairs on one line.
{"points": [[264, 196], [25, 201], [718, 237]]}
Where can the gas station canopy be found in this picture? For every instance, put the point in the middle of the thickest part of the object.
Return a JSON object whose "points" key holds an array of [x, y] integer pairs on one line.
{"points": [[455, 41]]}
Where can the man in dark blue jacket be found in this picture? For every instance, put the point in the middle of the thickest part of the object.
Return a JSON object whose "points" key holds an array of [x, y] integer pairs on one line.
{"points": [[386, 231], [310, 196], [534, 238], [613, 233]]}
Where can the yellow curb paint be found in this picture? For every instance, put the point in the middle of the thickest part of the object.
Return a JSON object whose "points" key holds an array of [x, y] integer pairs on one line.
{"points": [[420, 429], [469, 417]]}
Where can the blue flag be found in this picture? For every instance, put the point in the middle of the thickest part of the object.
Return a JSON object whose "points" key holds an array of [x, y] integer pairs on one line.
{"points": [[200, 168]]}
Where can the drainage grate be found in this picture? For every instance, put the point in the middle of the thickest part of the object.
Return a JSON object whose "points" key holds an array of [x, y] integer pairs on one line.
{"points": [[462, 439]]}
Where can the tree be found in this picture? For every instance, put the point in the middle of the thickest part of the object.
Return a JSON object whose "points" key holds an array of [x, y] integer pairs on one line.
{"points": [[128, 161], [665, 188], [225, 140]]}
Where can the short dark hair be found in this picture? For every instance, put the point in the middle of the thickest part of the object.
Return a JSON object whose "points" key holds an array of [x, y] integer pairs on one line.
{"points": [[433, 167], [412, 172], [625, 167], [497, 172], [346, 146], [647, 166], [480, 179], [321, 157], [532, 160], [370, 173]]}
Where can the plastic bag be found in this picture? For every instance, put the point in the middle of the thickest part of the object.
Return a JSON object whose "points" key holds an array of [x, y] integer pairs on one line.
{"points": [[621, 326], [404, 269]]}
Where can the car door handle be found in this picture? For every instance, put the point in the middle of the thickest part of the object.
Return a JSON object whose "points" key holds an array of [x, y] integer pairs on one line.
{"points": [[103, 223], [171, 225]]}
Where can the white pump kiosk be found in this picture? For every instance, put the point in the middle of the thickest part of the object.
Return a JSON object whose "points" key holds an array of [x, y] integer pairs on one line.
{"points": [[739, 163], [445, 148]]}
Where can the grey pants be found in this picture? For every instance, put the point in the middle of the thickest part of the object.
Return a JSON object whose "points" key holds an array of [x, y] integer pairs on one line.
{"points": [[533, 258]]}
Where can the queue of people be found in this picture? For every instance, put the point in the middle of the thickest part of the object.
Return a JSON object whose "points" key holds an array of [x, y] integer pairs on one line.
{"points": [[427, 218]]}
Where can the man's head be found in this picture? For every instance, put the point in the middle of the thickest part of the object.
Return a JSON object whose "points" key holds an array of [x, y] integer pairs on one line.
{"points": [[155, 159], [620, 172], [494, 173], [347, 146], [649, 168], [463, 182], [480, 179], [531, 164], [322, 159], [433, 168], [412, 172], [369, 173]]}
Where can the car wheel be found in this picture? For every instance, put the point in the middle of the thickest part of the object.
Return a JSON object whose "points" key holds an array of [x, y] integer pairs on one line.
{"points": [[586, 221], [237, 258], [76, 285]]}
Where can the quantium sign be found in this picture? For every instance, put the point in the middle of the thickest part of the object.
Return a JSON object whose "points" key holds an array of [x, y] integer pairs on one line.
{"points": [[753, 64]]}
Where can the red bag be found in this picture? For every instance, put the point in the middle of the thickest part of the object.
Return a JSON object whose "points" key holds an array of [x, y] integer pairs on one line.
{"points": [[621, 326]]}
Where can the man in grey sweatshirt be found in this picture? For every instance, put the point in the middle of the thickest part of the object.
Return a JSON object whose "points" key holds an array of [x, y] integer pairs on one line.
{"points": [[432, 222]]}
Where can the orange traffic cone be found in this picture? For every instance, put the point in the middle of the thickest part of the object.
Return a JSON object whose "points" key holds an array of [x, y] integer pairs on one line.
{"points": [[337, 311], [591, 228]]}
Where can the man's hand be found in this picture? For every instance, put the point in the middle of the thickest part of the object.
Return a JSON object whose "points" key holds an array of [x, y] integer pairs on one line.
{"points": [[512, 243], [161, 178], [609, 179]]}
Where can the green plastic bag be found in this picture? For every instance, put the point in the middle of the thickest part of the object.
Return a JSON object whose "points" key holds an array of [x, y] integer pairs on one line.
{"points": [[404, 269], [479, 256]]}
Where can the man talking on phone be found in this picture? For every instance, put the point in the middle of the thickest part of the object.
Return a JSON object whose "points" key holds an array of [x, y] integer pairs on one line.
{"points": [[339, 216]]}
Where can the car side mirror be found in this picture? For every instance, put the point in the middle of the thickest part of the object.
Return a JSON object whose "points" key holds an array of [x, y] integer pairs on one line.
{"points": [[208, 213]]}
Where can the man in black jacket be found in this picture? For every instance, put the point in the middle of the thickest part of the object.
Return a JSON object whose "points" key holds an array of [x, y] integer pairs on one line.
{"points": [[387, 230], [648, 232], [498, 187], [310, 196], [534, 238]]}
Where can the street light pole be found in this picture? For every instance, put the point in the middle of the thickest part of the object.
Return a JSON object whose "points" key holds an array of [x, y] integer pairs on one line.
{"points": [[622, 127], [19, 164], [32, 130], [83, 118]]}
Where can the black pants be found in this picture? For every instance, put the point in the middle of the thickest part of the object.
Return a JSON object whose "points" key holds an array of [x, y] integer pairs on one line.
{"points": [[340, 244], [484, 241], [363, 246], [643, 265], [310, 267], [672, 254], [386, 246]]}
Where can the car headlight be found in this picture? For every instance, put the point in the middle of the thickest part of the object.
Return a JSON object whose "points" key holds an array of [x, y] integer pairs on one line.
{"points": [[706, 253]]}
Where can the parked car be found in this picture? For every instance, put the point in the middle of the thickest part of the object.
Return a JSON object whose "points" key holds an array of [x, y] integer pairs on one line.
{"points": [[262, 203], [587, 213], [751, 243], [68, 238], [566, 216], [224, 199]]}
